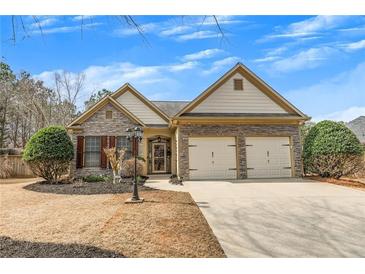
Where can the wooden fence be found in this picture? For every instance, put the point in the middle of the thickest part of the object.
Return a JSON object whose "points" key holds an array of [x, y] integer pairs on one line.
{"points": [[17, 167]]}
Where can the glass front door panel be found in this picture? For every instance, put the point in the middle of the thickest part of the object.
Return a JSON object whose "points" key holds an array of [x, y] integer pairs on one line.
{"points": [[159, 157]]}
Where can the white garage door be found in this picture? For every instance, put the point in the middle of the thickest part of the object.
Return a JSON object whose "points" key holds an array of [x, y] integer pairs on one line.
{"points": [[268, 157], [212, 158]]}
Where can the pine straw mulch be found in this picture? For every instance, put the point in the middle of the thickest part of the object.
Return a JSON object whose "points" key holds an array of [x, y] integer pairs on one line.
{"points": [[83, 188], [167, 224], [353, 183]]}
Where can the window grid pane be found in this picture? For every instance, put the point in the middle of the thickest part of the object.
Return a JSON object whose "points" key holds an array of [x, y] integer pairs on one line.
{"points": [[92, 151], [122, 142]]}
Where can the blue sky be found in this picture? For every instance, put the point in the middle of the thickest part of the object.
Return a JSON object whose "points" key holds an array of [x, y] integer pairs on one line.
{"points": [[316, 62]]}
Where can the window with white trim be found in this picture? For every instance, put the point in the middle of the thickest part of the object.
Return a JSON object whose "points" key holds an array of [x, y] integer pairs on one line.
{"points": [[92, 151]]}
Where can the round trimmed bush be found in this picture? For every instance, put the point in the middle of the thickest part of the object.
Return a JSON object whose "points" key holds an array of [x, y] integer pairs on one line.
{"points": [[49, 152], [332, 150]]}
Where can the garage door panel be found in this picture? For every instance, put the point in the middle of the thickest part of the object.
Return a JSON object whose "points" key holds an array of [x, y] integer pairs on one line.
{"points": [[212, 158], [268, 157]]}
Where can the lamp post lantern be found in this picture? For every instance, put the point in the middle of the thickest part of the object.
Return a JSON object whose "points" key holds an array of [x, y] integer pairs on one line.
{"points": [[135, 136]]}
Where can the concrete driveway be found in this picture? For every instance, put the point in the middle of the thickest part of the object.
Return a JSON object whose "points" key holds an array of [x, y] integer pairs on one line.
{"points": [[281, 218]]}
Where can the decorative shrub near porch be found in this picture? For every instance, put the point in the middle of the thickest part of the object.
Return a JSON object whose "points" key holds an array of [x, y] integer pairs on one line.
{"points": [[49, 153], [332, 150]]}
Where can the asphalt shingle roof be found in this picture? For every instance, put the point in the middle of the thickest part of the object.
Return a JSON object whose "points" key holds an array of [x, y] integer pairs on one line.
{"points": [[170, 107]]}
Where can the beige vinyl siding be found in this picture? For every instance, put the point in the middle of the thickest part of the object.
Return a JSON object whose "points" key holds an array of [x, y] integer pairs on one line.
{"points": [[228, 100], [140, 109]]}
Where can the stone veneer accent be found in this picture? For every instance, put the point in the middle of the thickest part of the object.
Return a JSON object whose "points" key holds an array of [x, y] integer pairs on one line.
{"points": [[240, 132], [98, 125]]}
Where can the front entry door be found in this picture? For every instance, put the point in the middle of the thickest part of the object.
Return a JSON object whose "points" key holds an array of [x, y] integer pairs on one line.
{"points": [[158, 157]]}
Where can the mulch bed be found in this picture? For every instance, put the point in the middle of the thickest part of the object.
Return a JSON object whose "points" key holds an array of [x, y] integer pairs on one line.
{"points": [[84, 188], [341, 182]]}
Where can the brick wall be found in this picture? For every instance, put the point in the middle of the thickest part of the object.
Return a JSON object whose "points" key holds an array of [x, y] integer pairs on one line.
{"points": [[240, 132], [98, 125]]}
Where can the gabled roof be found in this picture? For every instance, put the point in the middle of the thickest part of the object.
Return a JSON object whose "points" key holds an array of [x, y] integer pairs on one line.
{"points": [[128, 87], [99, 105], [255, 80]]}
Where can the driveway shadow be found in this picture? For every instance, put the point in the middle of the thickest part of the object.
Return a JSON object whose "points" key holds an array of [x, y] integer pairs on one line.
{"points": [[11, 248]]}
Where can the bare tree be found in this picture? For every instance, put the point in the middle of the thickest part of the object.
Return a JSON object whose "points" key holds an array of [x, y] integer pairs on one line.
{"points": [[67, 88], [26, 105]]}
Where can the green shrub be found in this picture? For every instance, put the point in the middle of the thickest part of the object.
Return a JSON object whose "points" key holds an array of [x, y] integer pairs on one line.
{"points": [[95, 178], [331, 150], [49, 152]]}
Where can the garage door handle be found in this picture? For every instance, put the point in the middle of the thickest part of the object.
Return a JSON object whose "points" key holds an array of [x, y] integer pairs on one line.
{"points": [[232, 169], [192, 169], [287, 167], [250, 168]]}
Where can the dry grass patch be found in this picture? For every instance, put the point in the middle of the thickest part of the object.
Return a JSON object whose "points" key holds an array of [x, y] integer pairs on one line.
{"points": [[167, 224]]}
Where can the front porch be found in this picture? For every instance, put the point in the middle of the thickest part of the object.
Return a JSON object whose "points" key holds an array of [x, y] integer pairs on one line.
{"points": [[159, 151]]}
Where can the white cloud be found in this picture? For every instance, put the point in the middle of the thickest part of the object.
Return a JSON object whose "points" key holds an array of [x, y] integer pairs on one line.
{"points": [[221, 19], [188, 28], [355, 30], [221, 64], [266, 59], [306, 59], [345, 115], [175, 30], [132, 30], [309, 27], [112, 76], [203, 54], [333, 95], [43, 22], [355, 45], [272, 54], [317, 23], [82, 17], [183, 66], [203, 34], [65, 29]]}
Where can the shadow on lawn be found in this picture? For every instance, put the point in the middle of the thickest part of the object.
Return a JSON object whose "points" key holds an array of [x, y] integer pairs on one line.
{"points": [[11, 248], [84, 188]]}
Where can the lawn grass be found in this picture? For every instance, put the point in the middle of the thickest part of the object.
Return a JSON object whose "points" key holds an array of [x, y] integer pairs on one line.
{"points": [[167, 224]]}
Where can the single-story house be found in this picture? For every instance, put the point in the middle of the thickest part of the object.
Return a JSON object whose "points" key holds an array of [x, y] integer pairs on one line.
{"points": [[239, 127]]}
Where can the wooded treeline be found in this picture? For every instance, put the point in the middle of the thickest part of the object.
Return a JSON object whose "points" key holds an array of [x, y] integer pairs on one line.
{"points": [[26, 104]]}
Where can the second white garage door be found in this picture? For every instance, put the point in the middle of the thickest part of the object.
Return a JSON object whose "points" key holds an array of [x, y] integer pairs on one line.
{"points": [[212, 158], [268, 157]]}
